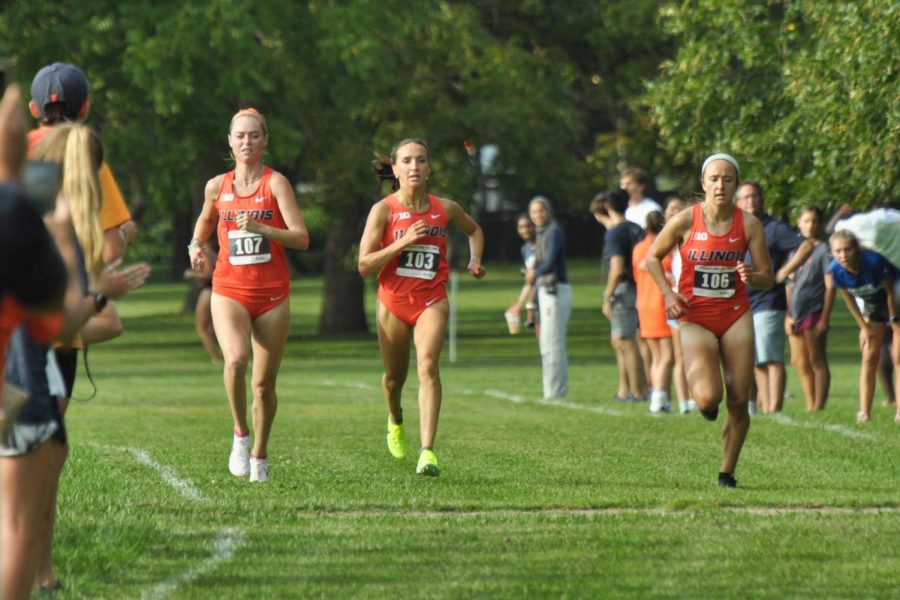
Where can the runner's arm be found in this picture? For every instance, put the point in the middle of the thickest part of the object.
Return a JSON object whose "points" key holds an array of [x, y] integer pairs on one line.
{"points": [[206, 223], [371, 255], [467, 224], [796, 261], [667, 240], [296, 235]]}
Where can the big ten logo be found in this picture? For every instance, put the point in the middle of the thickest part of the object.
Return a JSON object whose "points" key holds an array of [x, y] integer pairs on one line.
{"points": [[400, 216]]}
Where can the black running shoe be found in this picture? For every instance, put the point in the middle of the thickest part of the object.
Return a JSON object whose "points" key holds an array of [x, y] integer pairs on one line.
{"points": [[727, 480], [710, 415]]}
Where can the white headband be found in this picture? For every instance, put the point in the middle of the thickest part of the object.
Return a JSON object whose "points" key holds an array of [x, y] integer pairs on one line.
{"points": [[720, 156]]}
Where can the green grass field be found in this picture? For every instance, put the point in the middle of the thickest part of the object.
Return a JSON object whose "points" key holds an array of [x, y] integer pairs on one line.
{"points": [[577, 499]]}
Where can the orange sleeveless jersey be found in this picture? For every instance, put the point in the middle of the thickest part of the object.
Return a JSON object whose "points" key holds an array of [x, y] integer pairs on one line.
{"points": [[709, 278], [651, 306], [422, 266], [248, 260]]}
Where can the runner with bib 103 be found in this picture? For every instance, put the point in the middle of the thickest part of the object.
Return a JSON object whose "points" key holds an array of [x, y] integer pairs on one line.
{"points": [[405, 242]]}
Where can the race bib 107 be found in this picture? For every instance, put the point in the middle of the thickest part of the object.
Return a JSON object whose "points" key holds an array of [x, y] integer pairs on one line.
{"points": [[245, 248]]}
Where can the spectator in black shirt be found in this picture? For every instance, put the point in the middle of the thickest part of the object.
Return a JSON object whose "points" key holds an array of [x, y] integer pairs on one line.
{"points": [[620, 297]]}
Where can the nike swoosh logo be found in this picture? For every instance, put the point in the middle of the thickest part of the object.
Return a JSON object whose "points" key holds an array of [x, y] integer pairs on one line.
{"points": [[436, 216], [430, 302], [733, 240], [274, 298]]}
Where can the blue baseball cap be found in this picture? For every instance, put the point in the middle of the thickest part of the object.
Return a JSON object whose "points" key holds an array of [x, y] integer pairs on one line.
{"points": [[62, 83]]}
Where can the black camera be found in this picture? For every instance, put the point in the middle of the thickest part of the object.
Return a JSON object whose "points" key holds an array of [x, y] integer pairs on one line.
{"points": [[41, 183]]}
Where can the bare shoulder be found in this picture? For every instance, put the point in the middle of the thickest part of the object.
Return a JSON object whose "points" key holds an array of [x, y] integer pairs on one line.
{"points": [[450, 207], [278, 179], [381, 211], [681, 222], [213, 186], [280, 184], [752, 224]]}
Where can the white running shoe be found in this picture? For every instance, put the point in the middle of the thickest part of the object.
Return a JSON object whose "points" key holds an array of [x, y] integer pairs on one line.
{"points": [[692, 406], [658, 401], [239, 461], [259, 469], [751, 407], [684, 406]]}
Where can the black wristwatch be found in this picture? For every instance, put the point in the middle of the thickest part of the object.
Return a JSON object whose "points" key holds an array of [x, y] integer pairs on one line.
{"points": [[100, 301]]}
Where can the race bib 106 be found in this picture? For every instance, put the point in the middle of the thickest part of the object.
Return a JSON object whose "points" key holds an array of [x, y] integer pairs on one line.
{"points": [[714, 282], [420, 261], [245, 248]]}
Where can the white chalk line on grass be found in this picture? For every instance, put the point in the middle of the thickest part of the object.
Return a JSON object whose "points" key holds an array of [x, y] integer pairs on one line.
{"points": [[351, 384], [183, 486], [226, 542], [557, 402], [779, 417], [575, 406], [492, 393], [839, 429]]}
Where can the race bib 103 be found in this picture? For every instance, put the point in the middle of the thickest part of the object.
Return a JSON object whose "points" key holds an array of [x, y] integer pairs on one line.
{"points": [[420, 261]]}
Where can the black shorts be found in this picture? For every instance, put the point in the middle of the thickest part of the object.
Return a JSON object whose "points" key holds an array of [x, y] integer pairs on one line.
{"points": [[875, 312], [67, 359], [40, 419]]}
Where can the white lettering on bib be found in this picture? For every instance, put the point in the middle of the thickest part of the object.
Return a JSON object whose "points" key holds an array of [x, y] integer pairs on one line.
{"points": [[714, 281], [245, 248], [420, 261]]}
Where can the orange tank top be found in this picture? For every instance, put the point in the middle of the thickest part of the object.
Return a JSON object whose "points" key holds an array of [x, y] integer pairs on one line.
{"points": [[423, 265], [650, 304], [249, 260], [709, 264]]}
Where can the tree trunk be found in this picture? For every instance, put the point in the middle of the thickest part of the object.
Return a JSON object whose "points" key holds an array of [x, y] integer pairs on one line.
{"points": [[343, 309]]}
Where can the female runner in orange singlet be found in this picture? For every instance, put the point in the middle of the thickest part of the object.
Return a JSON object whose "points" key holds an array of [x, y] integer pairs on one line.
{"points": [[652, 317], [716, 325], [405, 242], [258, 218]]}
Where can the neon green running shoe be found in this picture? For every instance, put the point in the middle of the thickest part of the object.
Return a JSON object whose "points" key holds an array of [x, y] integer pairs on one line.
{"points": [[428, 464], [396, 439]]}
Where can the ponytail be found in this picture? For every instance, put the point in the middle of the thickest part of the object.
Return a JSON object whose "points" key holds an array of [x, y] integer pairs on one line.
{"points": [[81, 186], [78, 149], [384, 171]]}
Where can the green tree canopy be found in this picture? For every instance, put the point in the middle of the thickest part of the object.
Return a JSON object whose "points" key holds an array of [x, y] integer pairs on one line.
{"points": [[805, 93]]}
